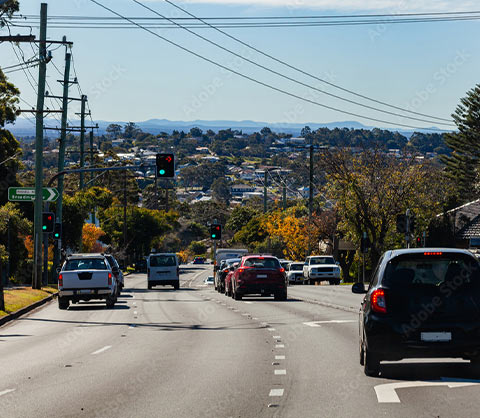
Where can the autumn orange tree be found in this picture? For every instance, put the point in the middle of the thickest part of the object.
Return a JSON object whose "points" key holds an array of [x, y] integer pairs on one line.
{"points": [[90, 236]]}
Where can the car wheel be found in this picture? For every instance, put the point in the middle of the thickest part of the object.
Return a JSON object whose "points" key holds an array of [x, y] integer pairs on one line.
{"points": [[475, 365], [280, 296], [371, 363], [149, 287], [176, 286], [331, 282], [236, 295], [362, 354], [110, 302], [63, 303]]}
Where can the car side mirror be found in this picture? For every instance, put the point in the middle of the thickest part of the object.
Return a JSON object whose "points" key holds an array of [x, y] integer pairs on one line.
{"points": [[115, 270], [359, 289], [58, 270]]}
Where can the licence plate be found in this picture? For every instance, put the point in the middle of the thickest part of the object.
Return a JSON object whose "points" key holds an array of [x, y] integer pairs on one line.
{"points": [[261, 276], [436, 336], [85, 292]]}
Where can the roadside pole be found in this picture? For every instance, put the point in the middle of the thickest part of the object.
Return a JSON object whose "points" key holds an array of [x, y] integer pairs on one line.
{"points": [[61, 154], [310, 199], [42, 71], [265, 197], [125, 220], [82, 139], [407, 232], [45, 252]]}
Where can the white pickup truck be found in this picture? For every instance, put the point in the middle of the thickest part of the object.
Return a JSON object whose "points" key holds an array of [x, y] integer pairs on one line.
{"points": [[321, 267], [87, 277]]}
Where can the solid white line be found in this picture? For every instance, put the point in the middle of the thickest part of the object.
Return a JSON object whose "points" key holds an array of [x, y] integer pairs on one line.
{"points": [[316, 324], [279, 357], [280, 372], [249, 303], [280, 346], [277, 336], [245, 314], [276, 392], [271, 329], [107, 347], [7, 391]]}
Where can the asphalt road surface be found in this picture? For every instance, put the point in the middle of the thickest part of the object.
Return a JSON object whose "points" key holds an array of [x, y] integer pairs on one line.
{"points": [[196, 353]]}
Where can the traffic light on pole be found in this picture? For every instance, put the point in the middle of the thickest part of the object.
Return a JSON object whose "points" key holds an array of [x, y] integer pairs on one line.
{"points": [[401, 224], [215, 231], [165, 165], [57, 232], [48, 222]]}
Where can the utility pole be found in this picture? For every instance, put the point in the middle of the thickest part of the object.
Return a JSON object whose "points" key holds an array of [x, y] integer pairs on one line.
{"points": [[61, 153], [125, 220], [82, 138], [310, 200], [42, 72], [265, 180], [91, 153]]}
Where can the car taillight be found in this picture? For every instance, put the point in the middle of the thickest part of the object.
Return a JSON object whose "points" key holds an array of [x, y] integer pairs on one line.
{"points": [[109, 279], [60, 280], [242, 269], [377, 300], [282, 270]]}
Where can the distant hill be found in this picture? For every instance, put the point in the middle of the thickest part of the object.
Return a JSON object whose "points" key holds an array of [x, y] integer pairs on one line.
{"points": [[24, 127]]}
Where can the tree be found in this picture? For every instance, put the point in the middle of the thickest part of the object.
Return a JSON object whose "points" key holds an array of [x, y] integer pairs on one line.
{"points": [[240, 217], [7, 9], [114, 130], [372, 188], [9, 152], [197, 248], [221, 190], [463, 165], [131, 130], [90, 236], [196, 132]]}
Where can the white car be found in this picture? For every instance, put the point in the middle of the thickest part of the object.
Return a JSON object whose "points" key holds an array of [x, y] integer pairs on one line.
{"points": [[86, 277], [209, 280], [163, 270], [294, 272], [321, 267]]}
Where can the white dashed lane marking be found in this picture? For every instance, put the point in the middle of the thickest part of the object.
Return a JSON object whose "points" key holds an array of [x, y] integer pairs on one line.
{"points": [[317, 324], [276, 392], [280, 372], [102, 350], [249, 303], [280, 346], [279, 357], [271, 329], [277, 336], [6, 391]]}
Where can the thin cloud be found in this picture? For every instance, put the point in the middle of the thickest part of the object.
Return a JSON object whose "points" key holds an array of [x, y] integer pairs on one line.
{"points": [[390, 6]]}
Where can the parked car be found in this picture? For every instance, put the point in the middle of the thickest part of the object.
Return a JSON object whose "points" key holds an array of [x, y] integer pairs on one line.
{"points": [[198, 260], [420, 303], [119, 274], [295, 272], [285, 263], [163, 270], [222, 273], [87, 277], [228, 279], [319, 268], [209, 280], [261, 275]]}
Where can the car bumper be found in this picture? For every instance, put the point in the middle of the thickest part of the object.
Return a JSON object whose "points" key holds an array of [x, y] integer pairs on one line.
{"points": [[85, 294], [171, 282], [260, 289], [324, 276], [394, 340]]}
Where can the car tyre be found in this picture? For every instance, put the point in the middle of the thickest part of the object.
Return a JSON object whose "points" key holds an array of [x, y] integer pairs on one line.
{"points": [[176, 286], [237, 296], [149, 287], [63, 303], [280, 296], [371, 363], [110, 302], [475, 365]]}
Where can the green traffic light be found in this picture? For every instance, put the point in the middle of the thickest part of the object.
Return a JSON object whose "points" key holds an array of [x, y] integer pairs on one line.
{"points": [[44, 227], [162, 172], [214, 236]]}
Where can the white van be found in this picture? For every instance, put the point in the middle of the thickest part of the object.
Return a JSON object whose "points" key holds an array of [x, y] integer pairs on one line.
{"points": [[163, 270]]}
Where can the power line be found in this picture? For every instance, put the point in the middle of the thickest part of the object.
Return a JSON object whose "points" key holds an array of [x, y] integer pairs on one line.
{"points": [[255, 80], [304, 72], [278, 73]]}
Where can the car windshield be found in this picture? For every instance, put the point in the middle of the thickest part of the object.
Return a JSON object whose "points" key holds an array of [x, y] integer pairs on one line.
{"points": [[111, 261], [296, 266], [432, 270], [262, 262], [162, 261], [85, 264], [322, 260]]}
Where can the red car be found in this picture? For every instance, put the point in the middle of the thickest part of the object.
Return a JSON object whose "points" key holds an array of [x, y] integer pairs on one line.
{"points": [[259, 275], [228, 279]]}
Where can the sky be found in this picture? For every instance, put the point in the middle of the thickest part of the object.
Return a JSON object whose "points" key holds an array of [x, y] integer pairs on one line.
{"points": [[131, 75]]}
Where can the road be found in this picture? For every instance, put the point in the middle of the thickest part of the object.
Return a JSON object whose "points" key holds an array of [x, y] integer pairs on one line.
{"points": [[196, 353]]}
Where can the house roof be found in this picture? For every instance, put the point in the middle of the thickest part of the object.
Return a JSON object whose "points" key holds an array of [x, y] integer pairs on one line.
{"points": [[471, 229]]}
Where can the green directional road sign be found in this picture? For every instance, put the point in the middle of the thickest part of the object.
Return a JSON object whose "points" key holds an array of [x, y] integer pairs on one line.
{"points": [[27, 194]]}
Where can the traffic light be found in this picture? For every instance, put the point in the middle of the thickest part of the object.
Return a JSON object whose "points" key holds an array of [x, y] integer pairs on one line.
{"points": [[57, 232], [48, 222], [215, 231], [412, 223], [419, 242], [365, 244], [401, 224], [165, 165]]}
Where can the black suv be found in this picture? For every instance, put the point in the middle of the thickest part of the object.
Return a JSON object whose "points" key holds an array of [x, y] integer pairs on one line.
{"points": [[421, 303]]}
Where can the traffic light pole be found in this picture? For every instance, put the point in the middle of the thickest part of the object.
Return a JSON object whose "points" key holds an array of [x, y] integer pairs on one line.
{"points": [[45, 253], [407, 232], [42, 72]]}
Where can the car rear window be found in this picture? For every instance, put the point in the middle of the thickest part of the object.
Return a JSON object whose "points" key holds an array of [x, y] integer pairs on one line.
{"points": [[262, 262], [162, 261], [85, 264], [322, 260], [432, 270]]}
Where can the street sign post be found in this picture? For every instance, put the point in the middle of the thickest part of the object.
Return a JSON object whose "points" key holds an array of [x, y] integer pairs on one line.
{"points": [[27, 194]]}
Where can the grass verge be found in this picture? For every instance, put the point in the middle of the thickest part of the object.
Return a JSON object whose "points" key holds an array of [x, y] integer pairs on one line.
{"points": [[21, 297]]}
